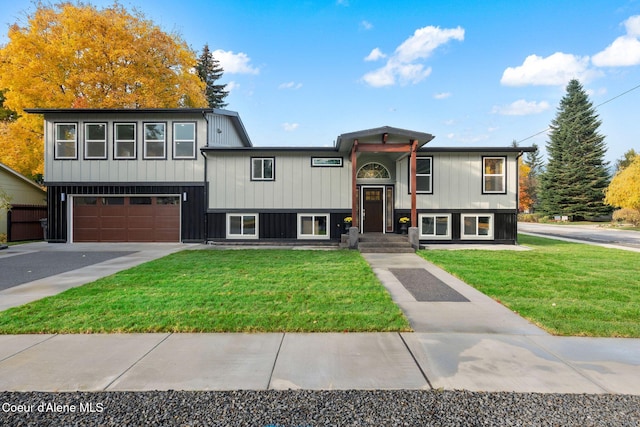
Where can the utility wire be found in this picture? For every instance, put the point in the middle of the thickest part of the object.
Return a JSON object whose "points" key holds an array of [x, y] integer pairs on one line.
{"points": [[597, 106]]}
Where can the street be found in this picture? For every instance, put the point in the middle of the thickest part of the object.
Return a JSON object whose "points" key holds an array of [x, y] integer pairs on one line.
{"points": [[587, 233]]}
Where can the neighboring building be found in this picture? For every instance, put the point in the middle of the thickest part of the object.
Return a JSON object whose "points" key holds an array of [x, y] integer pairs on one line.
{"points": [[192, 175], [21, 191]]}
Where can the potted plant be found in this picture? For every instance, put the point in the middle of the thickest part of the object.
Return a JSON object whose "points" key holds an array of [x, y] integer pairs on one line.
{"points": [[347, 223], [404, 224]]}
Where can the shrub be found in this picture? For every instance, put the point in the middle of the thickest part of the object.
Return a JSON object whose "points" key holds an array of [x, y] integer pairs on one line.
{"points": [[627, 215], [528, 217]]}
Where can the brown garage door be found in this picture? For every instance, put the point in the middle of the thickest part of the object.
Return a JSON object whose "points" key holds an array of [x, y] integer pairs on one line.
{"points": [[126, 219]]}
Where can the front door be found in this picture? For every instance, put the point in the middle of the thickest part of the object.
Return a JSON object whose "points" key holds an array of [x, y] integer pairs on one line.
{"points": [[372, 210]]}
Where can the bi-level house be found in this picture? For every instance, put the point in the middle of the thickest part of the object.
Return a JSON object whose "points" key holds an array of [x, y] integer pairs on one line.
{"points": [[193, 175]]}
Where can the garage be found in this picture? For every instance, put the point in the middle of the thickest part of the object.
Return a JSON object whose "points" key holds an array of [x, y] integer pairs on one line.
{"points": [[126, 219]]}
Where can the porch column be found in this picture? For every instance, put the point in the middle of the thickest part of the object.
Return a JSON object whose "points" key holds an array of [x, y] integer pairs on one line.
{"points": [[414, 212], [354, 187]]}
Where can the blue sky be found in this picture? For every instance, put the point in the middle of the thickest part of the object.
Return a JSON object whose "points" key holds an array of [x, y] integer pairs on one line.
{"points": [[480, 73]]}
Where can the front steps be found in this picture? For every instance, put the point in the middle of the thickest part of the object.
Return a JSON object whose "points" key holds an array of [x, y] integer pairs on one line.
{"points": [[384, 243]]}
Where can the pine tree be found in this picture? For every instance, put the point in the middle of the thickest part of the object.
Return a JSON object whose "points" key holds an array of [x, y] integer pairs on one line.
{"points": [[533, 161], [576, 176], [209, 70]]}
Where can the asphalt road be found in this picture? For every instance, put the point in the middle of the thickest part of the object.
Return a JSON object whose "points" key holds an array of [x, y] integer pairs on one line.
{"points": [[587, 233], [26, 267]]}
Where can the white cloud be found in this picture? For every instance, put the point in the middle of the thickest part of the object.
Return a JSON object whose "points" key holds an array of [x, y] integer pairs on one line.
{"points": [[366, 25], [442, 95], [554, 70], [290, 127], [633, 26], [404, 65], [290, 85], [375, 55], [235, 63], [521, 107], [625, 50], [231, 86]]}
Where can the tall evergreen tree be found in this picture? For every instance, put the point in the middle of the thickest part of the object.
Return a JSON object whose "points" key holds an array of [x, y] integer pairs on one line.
{"points": [[576, 175], [209, 70]]}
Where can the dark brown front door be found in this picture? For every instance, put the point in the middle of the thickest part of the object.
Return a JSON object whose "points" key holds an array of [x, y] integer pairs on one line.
{"points": [[372, 205]]}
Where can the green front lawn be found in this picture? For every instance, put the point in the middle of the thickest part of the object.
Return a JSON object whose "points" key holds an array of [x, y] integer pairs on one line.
{"points": [[222, 291], [566, 288]]}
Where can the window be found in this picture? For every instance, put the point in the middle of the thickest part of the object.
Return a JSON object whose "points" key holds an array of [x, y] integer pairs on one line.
{"points": [[477, 226], [373, 171], [242, 226], [493, 175], [424, 175], [262, 169], [95, 140], [154, 141], [313, 226], [184, 140], [66, 141], [435, 226], [125, 141]]}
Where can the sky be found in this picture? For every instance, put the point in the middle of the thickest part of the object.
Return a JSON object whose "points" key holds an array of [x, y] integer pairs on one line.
{"points": [[472, 73]]}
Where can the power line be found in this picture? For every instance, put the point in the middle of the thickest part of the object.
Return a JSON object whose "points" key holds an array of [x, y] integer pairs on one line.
{"points": [[582, 112]]}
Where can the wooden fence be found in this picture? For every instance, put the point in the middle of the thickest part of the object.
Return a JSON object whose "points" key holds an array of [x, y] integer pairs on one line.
{"points": [[23, 223]]}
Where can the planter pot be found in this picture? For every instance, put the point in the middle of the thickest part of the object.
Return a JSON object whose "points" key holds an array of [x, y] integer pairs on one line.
{"points": [[403, 228]]}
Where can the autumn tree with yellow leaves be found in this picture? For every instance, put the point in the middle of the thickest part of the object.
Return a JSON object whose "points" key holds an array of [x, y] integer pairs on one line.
{"points": [[72, 55], [624, 192]]}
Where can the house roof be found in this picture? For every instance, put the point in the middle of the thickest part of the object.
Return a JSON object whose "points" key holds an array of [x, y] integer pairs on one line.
{"points": [[21, 177], [376, 135]]}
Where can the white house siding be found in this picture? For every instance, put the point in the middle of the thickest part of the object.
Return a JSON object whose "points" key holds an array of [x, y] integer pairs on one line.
{"points": [[139, 169], [457, 183], [297, 185], [222, 132]]}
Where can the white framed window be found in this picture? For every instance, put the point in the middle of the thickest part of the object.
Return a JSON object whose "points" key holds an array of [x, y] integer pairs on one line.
{"points": [[66, 141], [263, 169], [435, 226], [242, 226], [373, 171], [476, 226], [494, 175], [184, 140], [124, 141], [155, 141], [95, 140], [313, 226], [424, 175]]}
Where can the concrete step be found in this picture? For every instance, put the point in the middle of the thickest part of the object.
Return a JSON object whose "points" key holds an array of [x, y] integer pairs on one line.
{"points": [[384, 243], [386, 250]]}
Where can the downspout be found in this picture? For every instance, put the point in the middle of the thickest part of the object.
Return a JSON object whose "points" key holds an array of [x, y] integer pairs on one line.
{"points": [[206, 185]]}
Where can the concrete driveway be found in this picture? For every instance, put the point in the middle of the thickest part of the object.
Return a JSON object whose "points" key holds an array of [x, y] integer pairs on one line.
{"points": [[623, 239], [36, 270]]}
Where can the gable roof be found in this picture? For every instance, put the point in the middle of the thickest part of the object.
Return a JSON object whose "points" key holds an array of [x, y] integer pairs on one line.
{"points": [[376, 135], [19, 176]]}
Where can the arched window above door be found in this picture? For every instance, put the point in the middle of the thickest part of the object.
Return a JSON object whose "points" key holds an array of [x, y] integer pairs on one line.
{"points": [[373, 171]]}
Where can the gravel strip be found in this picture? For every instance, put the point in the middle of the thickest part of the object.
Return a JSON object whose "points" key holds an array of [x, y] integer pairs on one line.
{"points": [[317, 408]]}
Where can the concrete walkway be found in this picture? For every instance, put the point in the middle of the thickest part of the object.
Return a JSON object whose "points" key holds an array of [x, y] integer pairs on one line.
{"points": [[476, 345]]}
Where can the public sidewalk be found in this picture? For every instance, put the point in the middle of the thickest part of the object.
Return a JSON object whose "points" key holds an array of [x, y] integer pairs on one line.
{"points": [[476, 345]]}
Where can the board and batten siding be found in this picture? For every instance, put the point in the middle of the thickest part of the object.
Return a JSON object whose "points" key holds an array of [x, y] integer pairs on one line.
{"points": [[138, 169], [457, 183], [297, 184]]}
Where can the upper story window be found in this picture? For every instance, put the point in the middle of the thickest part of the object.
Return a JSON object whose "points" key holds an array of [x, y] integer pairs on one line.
{"points": [[184, 140], [125, 141], [66, 146], [494, 175], [262, 169], [424, 175], [155, 142], [95, 140], [373, 171]]}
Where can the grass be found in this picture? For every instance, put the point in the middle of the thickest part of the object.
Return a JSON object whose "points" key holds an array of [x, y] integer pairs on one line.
{"points": [[221, 291], [566, 288]]}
